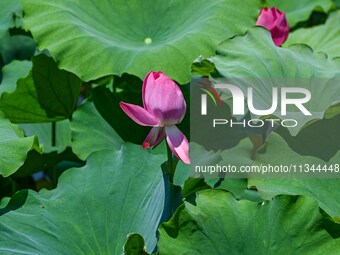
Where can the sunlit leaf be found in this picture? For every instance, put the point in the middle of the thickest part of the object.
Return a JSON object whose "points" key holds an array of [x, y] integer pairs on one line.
{"points": [[278, 153], [9, 11], [46, 94], [220, 224], [325, 191], [254, 61], [325, 38], [108, 198], [93, 39], [14, 147], [301, 10], [12, 72]]}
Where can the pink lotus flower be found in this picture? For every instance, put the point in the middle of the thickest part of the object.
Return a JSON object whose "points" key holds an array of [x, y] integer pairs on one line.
{"points": [[276, 22], [164, 107]]}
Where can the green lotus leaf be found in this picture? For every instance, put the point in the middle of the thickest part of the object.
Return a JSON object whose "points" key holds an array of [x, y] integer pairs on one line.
{"points": [[301, 10], [332, 111], [325, 191], [53, 163], [57, 90], [324, 38], [93, 39], [279, 153], [56, 148], [46, 94], [13, 72], [20, 47], [254, 61], [220, 224], [92, 210], [22, 105], [4, 201], [10, 10], [44, 131], [238, 187], [90, 132], [337, 2], [14, 147], [202, 67]]}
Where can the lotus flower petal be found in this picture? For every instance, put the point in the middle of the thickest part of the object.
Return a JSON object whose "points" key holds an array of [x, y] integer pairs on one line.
{"points": [[163, 98], [275, 21], [155, 136], [139, 114], [178, 143]]}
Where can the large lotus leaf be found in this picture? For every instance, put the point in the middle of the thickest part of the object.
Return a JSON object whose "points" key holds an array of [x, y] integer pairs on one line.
{"points": [[9, 10], [93, 39], [220, 224], [14, 147], [254, 61], [46, 94], [93, 208], [13, 72], [297, 11], [90, 132], [324, 38], [325, 191], [278, 153]]}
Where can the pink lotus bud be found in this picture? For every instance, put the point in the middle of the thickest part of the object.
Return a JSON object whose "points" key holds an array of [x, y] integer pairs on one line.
{"points": [[163, 107], [276, 22]]}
